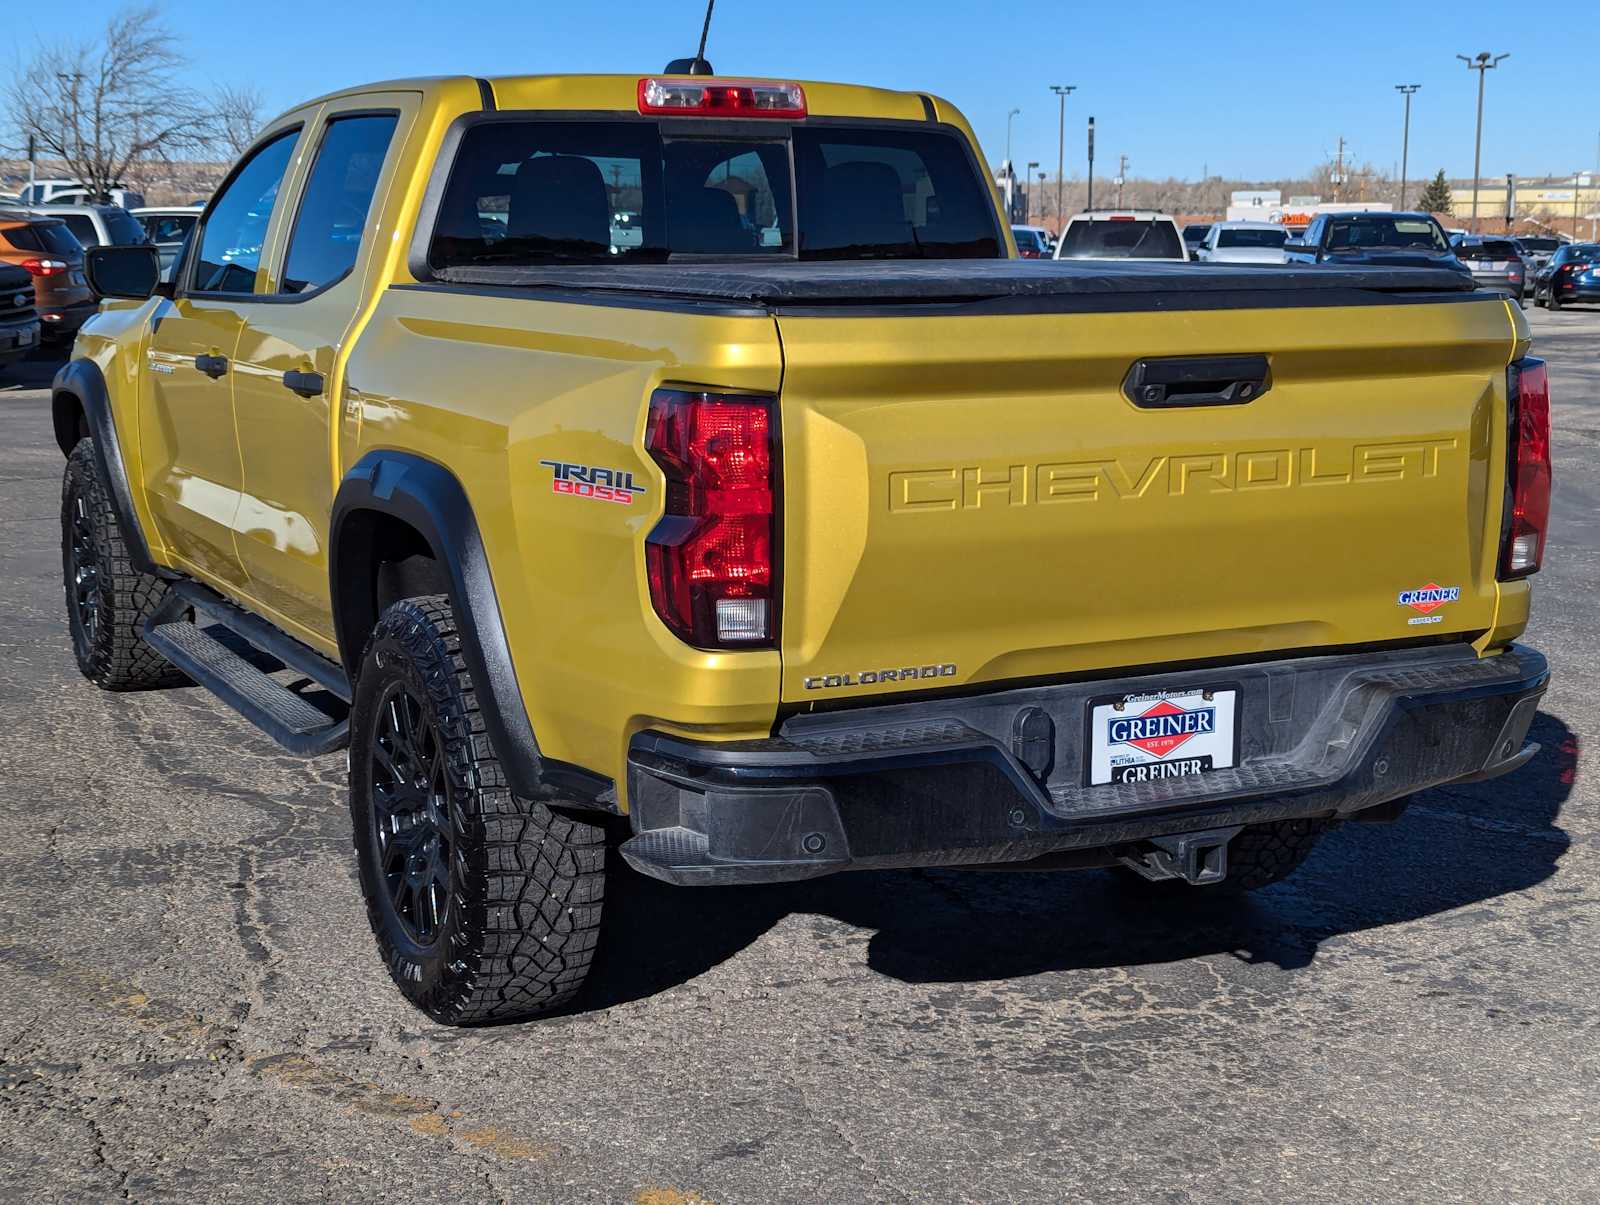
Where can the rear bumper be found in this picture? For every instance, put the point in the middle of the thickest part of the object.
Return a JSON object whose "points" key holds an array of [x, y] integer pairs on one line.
{"points": [[59, 324], [947, 782]]}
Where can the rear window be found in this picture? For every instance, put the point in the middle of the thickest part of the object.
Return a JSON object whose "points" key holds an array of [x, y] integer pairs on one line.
{"points": [[1491, 249], [49, 238], [1139, 238], [1369, 231], [1251, 238], [1195, 234], [1541, 245], [536, 192]]}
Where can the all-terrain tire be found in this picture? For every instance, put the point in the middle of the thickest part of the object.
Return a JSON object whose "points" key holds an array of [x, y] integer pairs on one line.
{"points": [[1264, 854], [485, 906], [107, 599]]}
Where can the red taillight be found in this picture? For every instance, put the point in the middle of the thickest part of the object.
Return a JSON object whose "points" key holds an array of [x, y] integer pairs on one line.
{"points": [[721, 98], [44, 267], [711, 557], [1528, 488]]}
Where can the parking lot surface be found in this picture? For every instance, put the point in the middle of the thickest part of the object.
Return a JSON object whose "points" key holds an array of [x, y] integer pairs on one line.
{"points": [[194, 1010]]}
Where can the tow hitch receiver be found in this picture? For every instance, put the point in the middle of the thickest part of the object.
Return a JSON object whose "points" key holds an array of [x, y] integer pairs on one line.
{"points": [[1197, 858]]}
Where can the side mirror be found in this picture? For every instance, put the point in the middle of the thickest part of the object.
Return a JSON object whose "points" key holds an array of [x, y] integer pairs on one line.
{"points": [[131, 272]]}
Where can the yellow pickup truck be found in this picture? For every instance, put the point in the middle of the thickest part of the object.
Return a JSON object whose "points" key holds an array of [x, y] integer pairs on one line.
{"points": [[690, 462]]}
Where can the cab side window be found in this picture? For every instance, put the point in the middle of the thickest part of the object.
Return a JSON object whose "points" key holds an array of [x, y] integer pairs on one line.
{"points": [[338, 195], [236, 227]]}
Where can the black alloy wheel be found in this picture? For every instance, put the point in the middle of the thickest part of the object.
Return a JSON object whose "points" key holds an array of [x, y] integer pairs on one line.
{"points": [[411, 828]]}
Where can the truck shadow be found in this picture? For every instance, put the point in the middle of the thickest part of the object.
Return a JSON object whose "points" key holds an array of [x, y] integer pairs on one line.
{"points": [[1455, 846]]}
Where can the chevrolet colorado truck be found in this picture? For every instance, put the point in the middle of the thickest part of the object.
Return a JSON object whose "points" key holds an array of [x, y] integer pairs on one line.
{"points": [[691, 462]]}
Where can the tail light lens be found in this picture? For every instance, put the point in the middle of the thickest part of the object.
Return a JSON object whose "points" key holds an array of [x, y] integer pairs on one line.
{"points": [[1528, 483], [711, 557], [44, 267]]}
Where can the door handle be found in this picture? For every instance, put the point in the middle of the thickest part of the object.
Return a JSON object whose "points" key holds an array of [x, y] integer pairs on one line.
{"points": [[306, 384], [212, 366], [1174, 381]]}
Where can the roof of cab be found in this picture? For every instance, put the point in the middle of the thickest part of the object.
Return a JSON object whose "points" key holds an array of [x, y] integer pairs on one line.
{"points": [[620, 93]]}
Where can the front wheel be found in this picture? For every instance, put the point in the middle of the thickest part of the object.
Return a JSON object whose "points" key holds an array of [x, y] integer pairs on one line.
{"points": [[108, 600], [486, 907]]}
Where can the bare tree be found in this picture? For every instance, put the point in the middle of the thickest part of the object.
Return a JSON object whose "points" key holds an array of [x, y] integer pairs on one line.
{"points": [[104, 105], [238, 118]]}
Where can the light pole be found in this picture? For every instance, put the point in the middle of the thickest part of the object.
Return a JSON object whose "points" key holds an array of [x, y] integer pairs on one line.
{"points": [[1009, 117], [1090, 205], [1122, 175], [1483, 64], [1405, 141], [1062, 91], [1027, 182]]}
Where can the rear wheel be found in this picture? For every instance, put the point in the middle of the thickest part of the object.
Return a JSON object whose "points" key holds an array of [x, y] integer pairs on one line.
{"points": [[1552, 301], [107, 599], [486, 907]]}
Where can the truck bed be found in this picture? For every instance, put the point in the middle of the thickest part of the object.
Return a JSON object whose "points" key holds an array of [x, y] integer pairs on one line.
{"points": [[1056, 286]]}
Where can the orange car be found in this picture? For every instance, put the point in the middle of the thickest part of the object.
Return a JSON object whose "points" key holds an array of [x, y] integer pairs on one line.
{"points": [[53, 256]]}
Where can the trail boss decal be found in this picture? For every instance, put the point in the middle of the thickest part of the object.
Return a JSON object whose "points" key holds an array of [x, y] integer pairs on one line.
{"points": [[1427, 600], [587, 481], [1168, 734]]}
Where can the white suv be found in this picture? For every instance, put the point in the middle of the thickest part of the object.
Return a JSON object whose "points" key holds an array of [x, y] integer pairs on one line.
{"points": [[1122, 234], [1243, 243]]}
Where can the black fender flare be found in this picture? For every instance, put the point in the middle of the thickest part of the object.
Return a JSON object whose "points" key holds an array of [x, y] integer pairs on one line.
{"points": [[428, 498], [80, 385]]}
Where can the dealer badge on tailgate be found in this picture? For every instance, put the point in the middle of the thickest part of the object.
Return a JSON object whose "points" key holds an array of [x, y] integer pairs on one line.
{"points": [[1166, 734]]}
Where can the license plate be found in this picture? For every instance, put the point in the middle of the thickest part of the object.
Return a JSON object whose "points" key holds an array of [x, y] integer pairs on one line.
{"points": [[25, 339], [1164, 734]]}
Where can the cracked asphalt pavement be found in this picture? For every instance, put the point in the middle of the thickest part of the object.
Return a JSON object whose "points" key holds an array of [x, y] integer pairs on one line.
{"points": [[193, 1009]]}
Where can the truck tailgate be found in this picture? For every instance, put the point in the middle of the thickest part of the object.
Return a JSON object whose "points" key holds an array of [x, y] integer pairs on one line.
{"points": [[971, 497]]}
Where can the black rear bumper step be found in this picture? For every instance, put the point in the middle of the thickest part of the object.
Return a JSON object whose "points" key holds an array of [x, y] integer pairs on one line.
{"points": [[943, 782], [288, 717]]}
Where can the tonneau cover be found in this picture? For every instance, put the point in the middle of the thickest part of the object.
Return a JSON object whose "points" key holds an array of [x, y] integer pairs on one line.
{"points": [[1149, 285]]}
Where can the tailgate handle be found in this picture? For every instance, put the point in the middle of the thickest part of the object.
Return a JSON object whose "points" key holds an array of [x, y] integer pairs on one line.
{"points": [[1174, 381]]}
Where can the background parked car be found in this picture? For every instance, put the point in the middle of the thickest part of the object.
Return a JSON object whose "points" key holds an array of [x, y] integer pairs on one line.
{"points": [[1242, 243], [167, 228], [98, 225], [1536, 252], [72, 192], [1193, 235], [1033, 242], [1573, 274], [1122, 234], [53, 258], [19, 322], [1379, 240], [1493, 262]]}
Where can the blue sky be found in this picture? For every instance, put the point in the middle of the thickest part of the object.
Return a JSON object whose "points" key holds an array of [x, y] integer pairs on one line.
{"points": [[1179, 88]]}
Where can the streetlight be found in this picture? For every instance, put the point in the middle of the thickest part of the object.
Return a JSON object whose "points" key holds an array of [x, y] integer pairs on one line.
{"points": [[1405, 144], [1062, 91], [1026, 177], [1483, 64], [1009, 117]]}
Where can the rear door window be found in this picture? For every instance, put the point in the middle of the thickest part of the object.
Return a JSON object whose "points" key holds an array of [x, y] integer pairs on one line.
{"points": [[338, 196], [1134, 238]]}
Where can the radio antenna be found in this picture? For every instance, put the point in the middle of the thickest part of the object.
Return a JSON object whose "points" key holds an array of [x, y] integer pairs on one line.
{"points": [[705, 30]]}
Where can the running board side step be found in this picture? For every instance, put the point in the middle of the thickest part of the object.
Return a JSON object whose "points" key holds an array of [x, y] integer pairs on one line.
{"points": [[287, 717]]}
